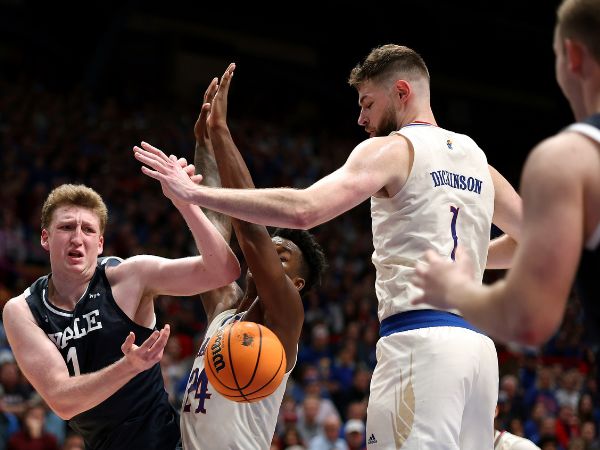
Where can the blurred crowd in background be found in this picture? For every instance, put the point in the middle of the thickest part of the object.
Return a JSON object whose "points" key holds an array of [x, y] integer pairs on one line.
{"points": [[47, 137]]}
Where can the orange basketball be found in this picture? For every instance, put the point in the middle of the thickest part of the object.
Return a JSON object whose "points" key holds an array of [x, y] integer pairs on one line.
{"points": [[244, 362]]}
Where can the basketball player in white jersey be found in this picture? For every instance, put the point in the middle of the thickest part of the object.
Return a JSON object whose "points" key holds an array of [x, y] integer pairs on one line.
{"points": [[280, 269], [561, 203], [503, 440], [436, 381]]}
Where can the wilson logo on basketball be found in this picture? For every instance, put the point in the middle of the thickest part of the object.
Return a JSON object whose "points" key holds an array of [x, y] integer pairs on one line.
{"points": [[217, 356]]}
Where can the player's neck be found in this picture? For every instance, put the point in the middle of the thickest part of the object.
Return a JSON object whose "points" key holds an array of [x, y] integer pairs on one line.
{"points": [[65, 293], [419, 116]]}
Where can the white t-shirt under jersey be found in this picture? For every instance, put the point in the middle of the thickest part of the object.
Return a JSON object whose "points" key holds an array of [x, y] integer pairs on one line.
{"points": [[209, 421], [448, 199]]}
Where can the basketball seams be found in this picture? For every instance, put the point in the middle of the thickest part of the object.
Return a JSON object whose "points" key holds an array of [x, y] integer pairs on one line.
{"points": [[231, 363], [233, 397], [274, 375], [257, 358]]}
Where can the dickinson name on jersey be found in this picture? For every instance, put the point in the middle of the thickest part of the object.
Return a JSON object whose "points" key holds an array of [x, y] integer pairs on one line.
{"points": [[456, 180]]}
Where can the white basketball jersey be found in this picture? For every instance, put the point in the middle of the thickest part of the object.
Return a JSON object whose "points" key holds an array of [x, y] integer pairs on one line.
{"points": [[503, 440], [209, 421], [448, 200]]}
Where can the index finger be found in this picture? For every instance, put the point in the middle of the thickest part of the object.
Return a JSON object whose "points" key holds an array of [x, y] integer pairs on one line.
{"points": [[163, 337], [226, 79], [211, 90]]}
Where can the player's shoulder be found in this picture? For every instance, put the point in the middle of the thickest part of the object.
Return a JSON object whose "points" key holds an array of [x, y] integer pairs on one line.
{"points": [[109, 261], [16, 309], [393, 139], [560, 157], [380, 150], [14, 303]]}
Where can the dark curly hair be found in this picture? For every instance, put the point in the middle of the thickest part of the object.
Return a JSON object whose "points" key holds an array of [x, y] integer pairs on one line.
{"points": [[314, 262]]}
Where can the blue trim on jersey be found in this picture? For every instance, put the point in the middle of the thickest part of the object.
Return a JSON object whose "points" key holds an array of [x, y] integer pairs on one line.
{"points": [[423, 318]]}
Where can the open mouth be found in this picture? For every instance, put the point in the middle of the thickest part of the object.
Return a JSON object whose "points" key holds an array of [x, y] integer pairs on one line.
{"points": [[75, 254]]}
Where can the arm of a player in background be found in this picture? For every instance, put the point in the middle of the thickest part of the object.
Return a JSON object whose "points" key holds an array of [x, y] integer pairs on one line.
{"points": [[217, 300], [44, 367], [280, 300], [528, 305], [372, 166], [508, 216]]}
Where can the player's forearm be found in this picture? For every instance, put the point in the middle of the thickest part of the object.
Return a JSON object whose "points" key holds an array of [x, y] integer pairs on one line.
{"points": [[204, 161], [500, 252], [216, 254], [481, 306], [77, 394], [233, 170], [282, 207], [496, 311]]}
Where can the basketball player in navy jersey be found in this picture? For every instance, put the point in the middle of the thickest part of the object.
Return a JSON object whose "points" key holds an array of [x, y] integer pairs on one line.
{"points": [[561, 207], [85, 334], [280, 268], [429, 188]]}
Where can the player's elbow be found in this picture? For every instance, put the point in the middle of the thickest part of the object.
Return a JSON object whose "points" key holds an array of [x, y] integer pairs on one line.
{"points": [[232, 269], [305, 215], [536, 329], [62, 408], [224, 273]]}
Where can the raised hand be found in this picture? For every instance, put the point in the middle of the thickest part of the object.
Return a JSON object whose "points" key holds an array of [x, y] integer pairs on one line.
{"points": [[187, 168], [175, 180], [149, 353], [439, 276], [200, 129], [218, 109]]}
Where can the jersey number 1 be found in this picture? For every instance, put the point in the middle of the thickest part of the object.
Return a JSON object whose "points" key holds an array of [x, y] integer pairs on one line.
{"points": [[454, 210], [72, 356]]}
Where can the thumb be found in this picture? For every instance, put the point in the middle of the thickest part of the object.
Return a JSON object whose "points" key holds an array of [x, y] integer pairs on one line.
{"points": [[129, 340], [197, 178]]}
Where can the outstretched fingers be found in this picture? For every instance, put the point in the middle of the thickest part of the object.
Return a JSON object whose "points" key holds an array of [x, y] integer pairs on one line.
{"points": [[159, 344], [128, 344], [200, 131], [152, 348], [147, 159], [155, 159], [155, 151], [226, 80], [211, 91]]}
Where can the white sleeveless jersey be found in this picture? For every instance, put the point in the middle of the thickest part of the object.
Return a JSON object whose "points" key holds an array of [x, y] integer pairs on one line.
{"points": [[448, 200], [503, 440], [209, 421]]}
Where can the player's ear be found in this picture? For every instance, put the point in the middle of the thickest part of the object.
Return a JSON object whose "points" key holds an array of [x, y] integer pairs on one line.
{"points": [[574, 52], [299, 282], [44, 240], [403, 89]]}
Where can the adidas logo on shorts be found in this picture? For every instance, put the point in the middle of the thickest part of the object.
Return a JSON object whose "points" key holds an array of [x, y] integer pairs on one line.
{"points": [[372, 440]]}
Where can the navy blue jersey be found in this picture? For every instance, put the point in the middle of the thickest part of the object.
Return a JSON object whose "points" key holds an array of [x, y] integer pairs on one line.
{"points": [[587, 284], [137, 416]]}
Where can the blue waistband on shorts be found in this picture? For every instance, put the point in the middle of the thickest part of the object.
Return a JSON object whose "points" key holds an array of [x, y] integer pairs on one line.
{"points": [[422, 318]]}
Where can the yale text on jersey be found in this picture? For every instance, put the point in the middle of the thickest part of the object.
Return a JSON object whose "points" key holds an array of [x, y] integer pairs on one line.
{"points": [[81, 327]]}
